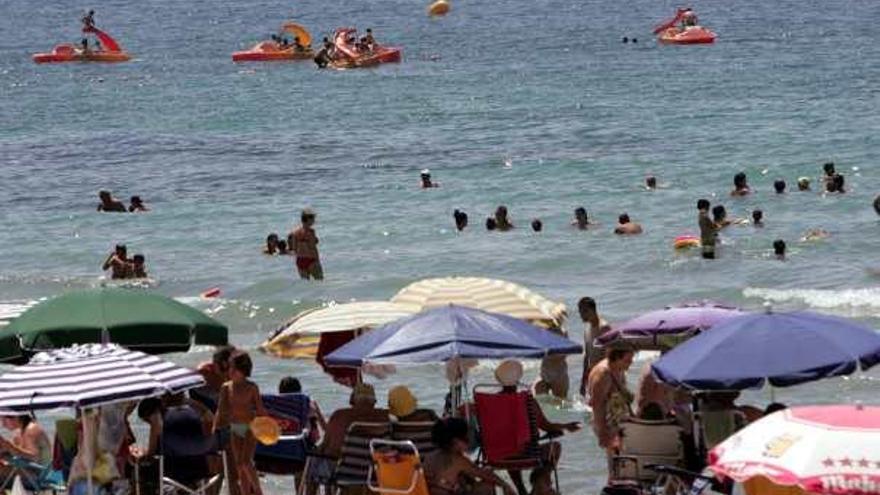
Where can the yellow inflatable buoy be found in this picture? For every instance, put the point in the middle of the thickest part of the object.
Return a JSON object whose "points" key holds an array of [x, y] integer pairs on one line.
{"points": [[265, 430], [440, 7]]}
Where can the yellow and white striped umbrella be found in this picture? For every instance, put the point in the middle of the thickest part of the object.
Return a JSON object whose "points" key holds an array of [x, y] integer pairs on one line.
{"points": [[494, 296], [300, 336]]}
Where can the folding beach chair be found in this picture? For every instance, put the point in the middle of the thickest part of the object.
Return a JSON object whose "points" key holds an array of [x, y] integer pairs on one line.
{"points": [[291, 412], [509, 436], [397, 467], [185, 451], [417, 432], [646, 443], [352, 469]]}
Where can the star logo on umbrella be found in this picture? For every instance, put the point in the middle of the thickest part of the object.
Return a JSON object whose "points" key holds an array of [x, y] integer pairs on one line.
{"points": [[846, 462], [828, 462], [864, 463]]}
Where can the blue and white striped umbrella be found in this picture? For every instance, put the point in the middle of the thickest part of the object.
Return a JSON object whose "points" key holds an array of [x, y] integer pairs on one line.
{"points": [[88, 376]]}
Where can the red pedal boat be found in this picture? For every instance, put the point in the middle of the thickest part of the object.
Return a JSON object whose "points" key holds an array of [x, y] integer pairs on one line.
{"points": [[685, 33], [268, 51], [67, 52], [348, 56]]}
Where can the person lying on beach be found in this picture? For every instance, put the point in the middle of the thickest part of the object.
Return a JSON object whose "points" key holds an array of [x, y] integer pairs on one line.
{"points": [[740, 185], [108, 202], [449, 470], [240, 403], [625, 226], [117, 262], [137, 205]]}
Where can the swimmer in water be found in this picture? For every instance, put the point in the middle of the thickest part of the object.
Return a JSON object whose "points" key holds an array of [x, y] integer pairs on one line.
{"points": [[708, 229], [625, 226], [117, 262], [836, 184], [803, 183], [537, 226], [830, 172], [303, 242], [650, 183], [877, 204], [109, 203], [719, 216], [490, 224], [282, 248], [137, 205], [461, 219], [501, 221], [758, 218], [138, 266], [740, 185], [779, 186], [815, 235], [426, 182], [779, 249], [580, 219], [271, 244]]}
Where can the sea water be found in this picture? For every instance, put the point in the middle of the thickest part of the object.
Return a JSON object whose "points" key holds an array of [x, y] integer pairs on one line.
{"points": [[537, 105]]}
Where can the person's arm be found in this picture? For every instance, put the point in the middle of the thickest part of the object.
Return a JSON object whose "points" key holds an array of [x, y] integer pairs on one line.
{"points": [[221, 419], [108, 262], [469, 468], [599, 399], [258, 401], [320, 416]]}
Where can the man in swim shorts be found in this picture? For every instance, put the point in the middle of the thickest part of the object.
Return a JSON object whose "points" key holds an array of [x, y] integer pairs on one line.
{"points": [[595, 326], [304, 243], [708, 229]]}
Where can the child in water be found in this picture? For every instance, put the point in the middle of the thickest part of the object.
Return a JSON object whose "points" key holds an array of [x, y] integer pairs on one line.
{"points": [[239, 404]]}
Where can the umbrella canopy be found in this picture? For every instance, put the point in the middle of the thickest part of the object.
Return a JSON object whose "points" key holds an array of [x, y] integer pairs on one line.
{"points": [[132, 318], [305, 38], [666, 328], [300, 336], [495, 296], [451, 332], [822, 449], [782, 348], [88, 376]]}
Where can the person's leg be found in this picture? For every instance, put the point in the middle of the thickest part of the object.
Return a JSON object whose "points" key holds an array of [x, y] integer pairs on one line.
{"points": [[517, 478], [317, 270], [250, 448]]}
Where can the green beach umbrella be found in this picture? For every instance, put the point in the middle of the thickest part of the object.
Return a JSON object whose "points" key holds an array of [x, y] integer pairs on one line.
{"points": [[132, 318]]}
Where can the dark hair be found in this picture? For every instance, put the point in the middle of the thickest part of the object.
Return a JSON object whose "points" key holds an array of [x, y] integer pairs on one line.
{"points": [[120, 248], [651, 181], [446, 431], [615, 355], [739, 179], [756, 214], [779, 246], [272, 237], [501, 210], [779, 185], [829, 168], [537, 225], [877, 204], [135, 199], [580, 210], [491, 224], [586, 303], [138, 258], [623, 218], [838, 183], [148, 407], [703, 204], [652, 411], [282, 245], [773, 407], [719, 211], [222, 355], [289, 385], [307, 215], [242, 362]]}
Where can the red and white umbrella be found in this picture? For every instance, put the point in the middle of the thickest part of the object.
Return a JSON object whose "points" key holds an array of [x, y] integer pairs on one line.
{"points": [[832, 450]]}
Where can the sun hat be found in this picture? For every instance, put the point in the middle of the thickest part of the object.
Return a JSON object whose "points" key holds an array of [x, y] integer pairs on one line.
{"points": [[401, 401], [509, 372], [426, 171]]}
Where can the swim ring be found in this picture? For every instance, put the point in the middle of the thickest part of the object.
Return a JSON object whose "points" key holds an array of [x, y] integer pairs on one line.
{"points": [[686, 242]]}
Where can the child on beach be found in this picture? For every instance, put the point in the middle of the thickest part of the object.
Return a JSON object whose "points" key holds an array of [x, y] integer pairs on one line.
{"points": [[239, 404]]}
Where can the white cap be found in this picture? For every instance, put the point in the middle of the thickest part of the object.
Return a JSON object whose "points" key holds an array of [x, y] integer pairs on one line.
{"points": [[426, 171]]}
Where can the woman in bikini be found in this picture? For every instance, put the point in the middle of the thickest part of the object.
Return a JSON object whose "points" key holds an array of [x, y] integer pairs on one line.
{"points": [[239, 404], [450, 472]]}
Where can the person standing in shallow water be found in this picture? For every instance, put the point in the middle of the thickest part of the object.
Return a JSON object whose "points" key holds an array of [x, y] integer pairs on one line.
{"points": [[708, 229], [594, 327], [303, 242], [502, 223]]}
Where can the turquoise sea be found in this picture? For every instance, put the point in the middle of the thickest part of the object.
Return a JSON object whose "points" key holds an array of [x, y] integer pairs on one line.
{"points": [[536, 105]]}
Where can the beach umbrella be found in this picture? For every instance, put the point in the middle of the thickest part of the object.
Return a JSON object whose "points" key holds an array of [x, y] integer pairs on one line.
{"points": [[494, 296], [666, 328], [820, 449], [782, 348], [135, 319], [451, 332], [301, 335], [90, 375]]}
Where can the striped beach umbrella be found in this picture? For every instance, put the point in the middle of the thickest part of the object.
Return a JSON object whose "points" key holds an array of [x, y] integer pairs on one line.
{"points": [[88, 376], [300, 336], [491, 295]]}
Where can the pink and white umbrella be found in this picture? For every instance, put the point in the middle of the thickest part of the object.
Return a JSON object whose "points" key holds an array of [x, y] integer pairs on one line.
{"points": [[833, 450]]}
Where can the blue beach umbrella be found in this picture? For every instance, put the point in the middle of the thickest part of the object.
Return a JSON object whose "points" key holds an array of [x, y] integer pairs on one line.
{"points": [[782, 348], [449, 332]]}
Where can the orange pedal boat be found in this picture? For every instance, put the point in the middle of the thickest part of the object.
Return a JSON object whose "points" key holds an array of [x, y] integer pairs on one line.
{"points": [[349, 57], [683, 30], [67, 52], [272, 51]]}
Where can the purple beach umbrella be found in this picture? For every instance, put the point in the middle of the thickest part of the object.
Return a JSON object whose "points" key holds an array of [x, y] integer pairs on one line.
{"points": [[665, 328]]}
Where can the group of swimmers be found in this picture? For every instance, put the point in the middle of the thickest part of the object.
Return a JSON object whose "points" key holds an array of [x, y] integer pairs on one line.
{"points": [[302, 243], [122, 267], [109, 204]]}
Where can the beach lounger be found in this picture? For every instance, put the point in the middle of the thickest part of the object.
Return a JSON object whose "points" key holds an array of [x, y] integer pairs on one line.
{"points": [[397, 467], [417, 432], [509, 436], [352, 470], [644, 443], [288, 456]]}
